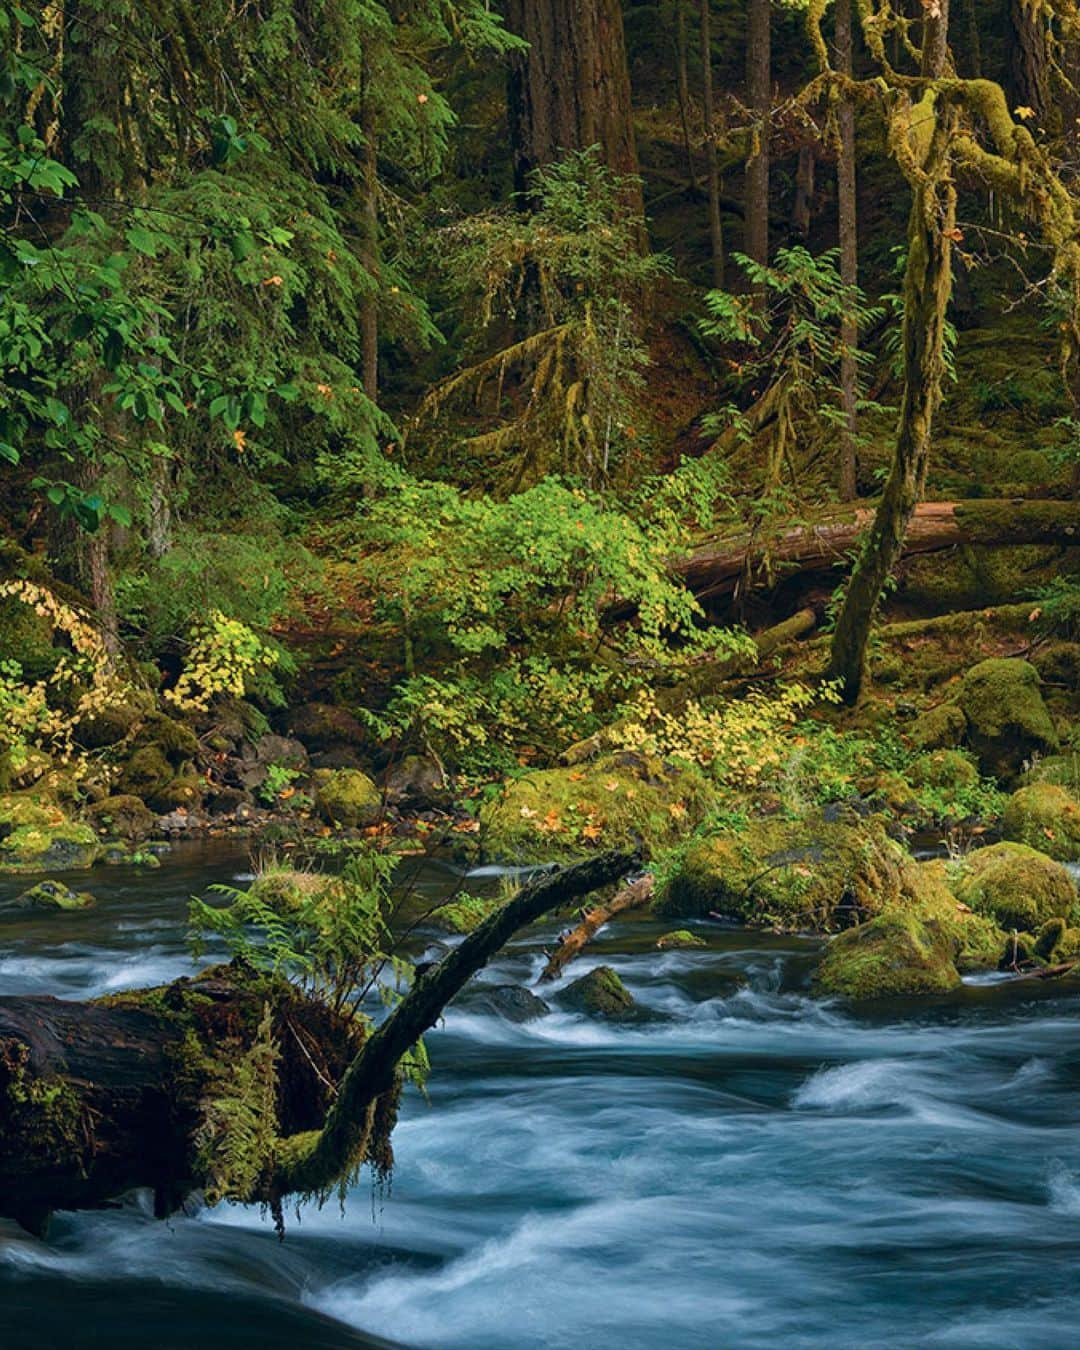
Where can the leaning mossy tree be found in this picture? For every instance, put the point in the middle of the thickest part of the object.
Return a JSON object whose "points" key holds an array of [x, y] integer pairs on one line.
{"points": [[940, 129], [241, 1084]]}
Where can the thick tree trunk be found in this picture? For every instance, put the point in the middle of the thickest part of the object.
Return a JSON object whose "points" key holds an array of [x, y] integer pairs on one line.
{"points": [[802, 211], [759, 93], [98, 1098], [1029, 60], [571, 89], [849, 255], [927, 291], [716, 228]]}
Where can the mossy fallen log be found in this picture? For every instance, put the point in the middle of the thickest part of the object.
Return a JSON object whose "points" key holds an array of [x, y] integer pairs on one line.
{"points": [[234, 1083], [719, 565]]}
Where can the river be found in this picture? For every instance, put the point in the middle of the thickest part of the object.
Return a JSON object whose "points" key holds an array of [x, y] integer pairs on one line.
{"points": [[747, 1167]]}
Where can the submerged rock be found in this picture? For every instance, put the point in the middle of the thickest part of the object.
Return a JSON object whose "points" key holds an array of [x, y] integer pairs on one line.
{"points": [[348, 797], [1016, 886], [1007, 721], [51, 895], [1047, 817], [600, 993], [817, 872], [682, 937], [509, 1001]]}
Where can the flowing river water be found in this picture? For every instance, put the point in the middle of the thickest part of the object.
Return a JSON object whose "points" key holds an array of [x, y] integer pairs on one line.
{"points": [[744, 1167]]}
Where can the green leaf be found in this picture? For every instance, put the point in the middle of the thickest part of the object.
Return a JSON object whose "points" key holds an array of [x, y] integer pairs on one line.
{"points": [[8, 453], [143, 241]]}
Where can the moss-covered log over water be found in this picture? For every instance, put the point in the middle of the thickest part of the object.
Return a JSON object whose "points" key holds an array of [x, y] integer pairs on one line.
{"points": [[234, 1083]]}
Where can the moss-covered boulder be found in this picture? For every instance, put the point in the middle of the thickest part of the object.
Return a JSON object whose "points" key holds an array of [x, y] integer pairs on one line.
{"points": [[679, 939], [286, 889], [1046, 817], [600, 993], [121, 817], [1016, 886], [184, 792], [109, 725], [1056, 941], [948, 770], [919, 944], [463, 915], [1007, 721], [940, 728], [348, 797], [51, 895], [623, 800], [821, 872], [36, 836], [176, 740], [146, 773]]}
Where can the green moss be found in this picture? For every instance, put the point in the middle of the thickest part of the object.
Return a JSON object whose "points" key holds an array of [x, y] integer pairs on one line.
{"points": [[36, 836], [600, 993], [940, 728], [947, 769], [121, 817], [348, 797], [465, 914], [1016, 886], [681, 937], [813, 873], [1046, 817], [619, 801], [1007, 720], [185, 792], [146, 772], [52, 895], [918, 945], [285, 889]]}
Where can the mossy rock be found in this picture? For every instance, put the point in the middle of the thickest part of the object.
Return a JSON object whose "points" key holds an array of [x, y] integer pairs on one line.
{"points": [[622, 800], [185, 791], [121, 817], [286, 889], [1056, 941], [509, 1001], [818, 872], [36, 836], [109, 726], [1046, 817], [463, 915], [940, 728], [600, 993], [175, 739], [348, 797], [1016, 886], [947, 769], [1007, 721], [917, 945], [679, 939], [51, 895], [146, 772]]}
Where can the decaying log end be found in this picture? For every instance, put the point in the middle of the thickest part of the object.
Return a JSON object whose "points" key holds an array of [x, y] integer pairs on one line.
{"points": [[99, 1098]]}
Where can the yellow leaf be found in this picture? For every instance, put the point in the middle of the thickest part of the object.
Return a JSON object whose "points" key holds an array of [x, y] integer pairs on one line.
{"points": [[1024, 114]]}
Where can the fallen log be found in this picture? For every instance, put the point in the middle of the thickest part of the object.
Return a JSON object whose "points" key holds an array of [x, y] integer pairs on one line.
{"points": [[103, 1097], [717, 566], [635, 895]]}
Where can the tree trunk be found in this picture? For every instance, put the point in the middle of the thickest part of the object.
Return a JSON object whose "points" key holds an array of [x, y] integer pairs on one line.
{"points": [[369, 249], [634, 896], [759, 92], [927, 291], [682, 78], [716, 228], [571, 89], [99, 1098], [849, 256], [1029, 60]]}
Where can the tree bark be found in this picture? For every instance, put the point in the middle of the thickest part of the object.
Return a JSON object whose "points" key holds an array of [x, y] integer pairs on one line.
{"points": [[927, 291], [682, 78], [99, 1098], [635, 895], [1029, 60], [718, 566], [716, 228], [571, 89], [759, 93], [847, 205]]}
